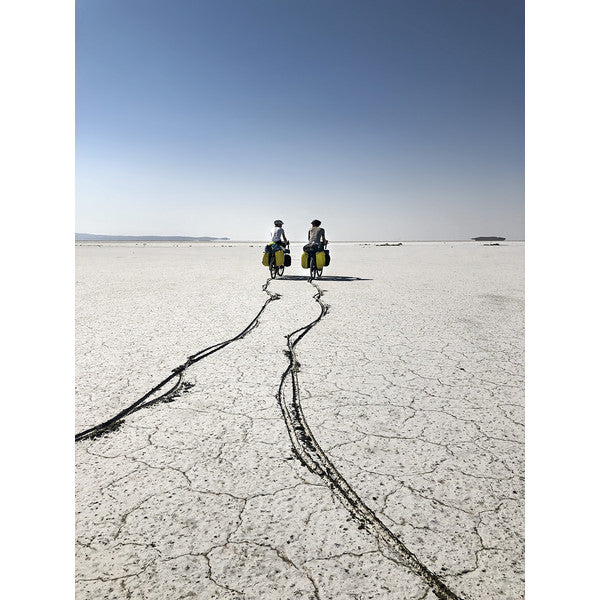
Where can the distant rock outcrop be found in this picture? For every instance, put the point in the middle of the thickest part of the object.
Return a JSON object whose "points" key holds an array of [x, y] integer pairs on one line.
{"points": [[489, 238], [93, 237], [386, 244]]}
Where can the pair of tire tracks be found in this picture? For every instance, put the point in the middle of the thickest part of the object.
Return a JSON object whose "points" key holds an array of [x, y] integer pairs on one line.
{"points": [[304, 445]]}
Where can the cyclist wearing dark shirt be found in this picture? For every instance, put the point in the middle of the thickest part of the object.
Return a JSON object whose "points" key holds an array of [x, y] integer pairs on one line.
{"points": [[316, 234]]}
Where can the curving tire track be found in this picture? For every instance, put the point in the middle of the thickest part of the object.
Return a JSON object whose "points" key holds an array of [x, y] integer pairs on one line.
{"points": [[311, 455], [177, 373]]}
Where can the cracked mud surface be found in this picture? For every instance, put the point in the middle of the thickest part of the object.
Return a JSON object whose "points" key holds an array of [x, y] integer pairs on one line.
{"points": [[412, 385]]}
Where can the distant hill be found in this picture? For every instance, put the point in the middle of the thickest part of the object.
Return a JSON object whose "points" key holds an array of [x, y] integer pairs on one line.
{"points": [[93, 237]]}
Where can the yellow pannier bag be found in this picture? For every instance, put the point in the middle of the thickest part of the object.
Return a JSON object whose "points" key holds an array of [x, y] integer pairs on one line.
{"points": [[320, 260], [279, 258], [265, 259], [304, 260]]}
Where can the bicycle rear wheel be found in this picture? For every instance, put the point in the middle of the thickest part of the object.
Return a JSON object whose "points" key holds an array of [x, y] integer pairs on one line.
{"points": [[273, 268]]}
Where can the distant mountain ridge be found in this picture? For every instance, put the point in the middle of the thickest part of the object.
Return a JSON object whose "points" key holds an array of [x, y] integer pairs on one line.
{"points": [[93, 237]]}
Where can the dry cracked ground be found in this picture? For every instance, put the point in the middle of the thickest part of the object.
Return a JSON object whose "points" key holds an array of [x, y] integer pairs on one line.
{"points": [[412, 384]]}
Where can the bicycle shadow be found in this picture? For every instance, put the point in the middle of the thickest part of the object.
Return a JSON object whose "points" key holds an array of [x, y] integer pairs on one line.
{"points": [[323, 278]]}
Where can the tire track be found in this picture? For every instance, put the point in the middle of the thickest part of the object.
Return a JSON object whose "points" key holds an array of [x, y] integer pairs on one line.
{"points": [[311, 455], [176, 374]]}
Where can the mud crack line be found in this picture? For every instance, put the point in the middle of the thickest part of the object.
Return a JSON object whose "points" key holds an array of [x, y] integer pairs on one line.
{"points": [[176, 374], [310, 454]]}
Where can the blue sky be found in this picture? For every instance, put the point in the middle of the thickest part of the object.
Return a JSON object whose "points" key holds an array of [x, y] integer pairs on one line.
{"points": [[387, 120]]}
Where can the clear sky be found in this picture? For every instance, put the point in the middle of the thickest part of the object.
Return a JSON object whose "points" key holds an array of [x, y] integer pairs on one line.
{"points": [[385, 119]]}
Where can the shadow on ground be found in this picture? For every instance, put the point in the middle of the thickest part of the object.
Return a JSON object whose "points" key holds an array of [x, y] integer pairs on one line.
{"points": [[324, 278]]}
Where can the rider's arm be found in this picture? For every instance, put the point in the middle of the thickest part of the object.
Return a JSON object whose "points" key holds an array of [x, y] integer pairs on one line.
{"points": [[324, 238], [283, 236]]}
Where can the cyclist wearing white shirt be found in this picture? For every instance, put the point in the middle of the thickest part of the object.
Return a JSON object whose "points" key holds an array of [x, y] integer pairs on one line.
{"points": [[278, 234]]}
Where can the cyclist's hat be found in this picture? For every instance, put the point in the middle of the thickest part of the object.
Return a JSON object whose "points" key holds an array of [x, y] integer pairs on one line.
{"points": [[316, 223], [279, 222]]}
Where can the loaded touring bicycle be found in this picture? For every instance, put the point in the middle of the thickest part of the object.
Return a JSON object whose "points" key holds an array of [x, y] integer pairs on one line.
{"points": [[276, 257], [315, 257]]}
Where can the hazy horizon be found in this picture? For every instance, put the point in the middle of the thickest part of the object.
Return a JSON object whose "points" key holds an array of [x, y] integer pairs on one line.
{"points": [[227, 239], [386, 120]]}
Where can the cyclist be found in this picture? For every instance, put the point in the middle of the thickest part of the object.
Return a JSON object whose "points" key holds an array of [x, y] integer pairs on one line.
{"points": [[278, 234], [316, 237]]}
